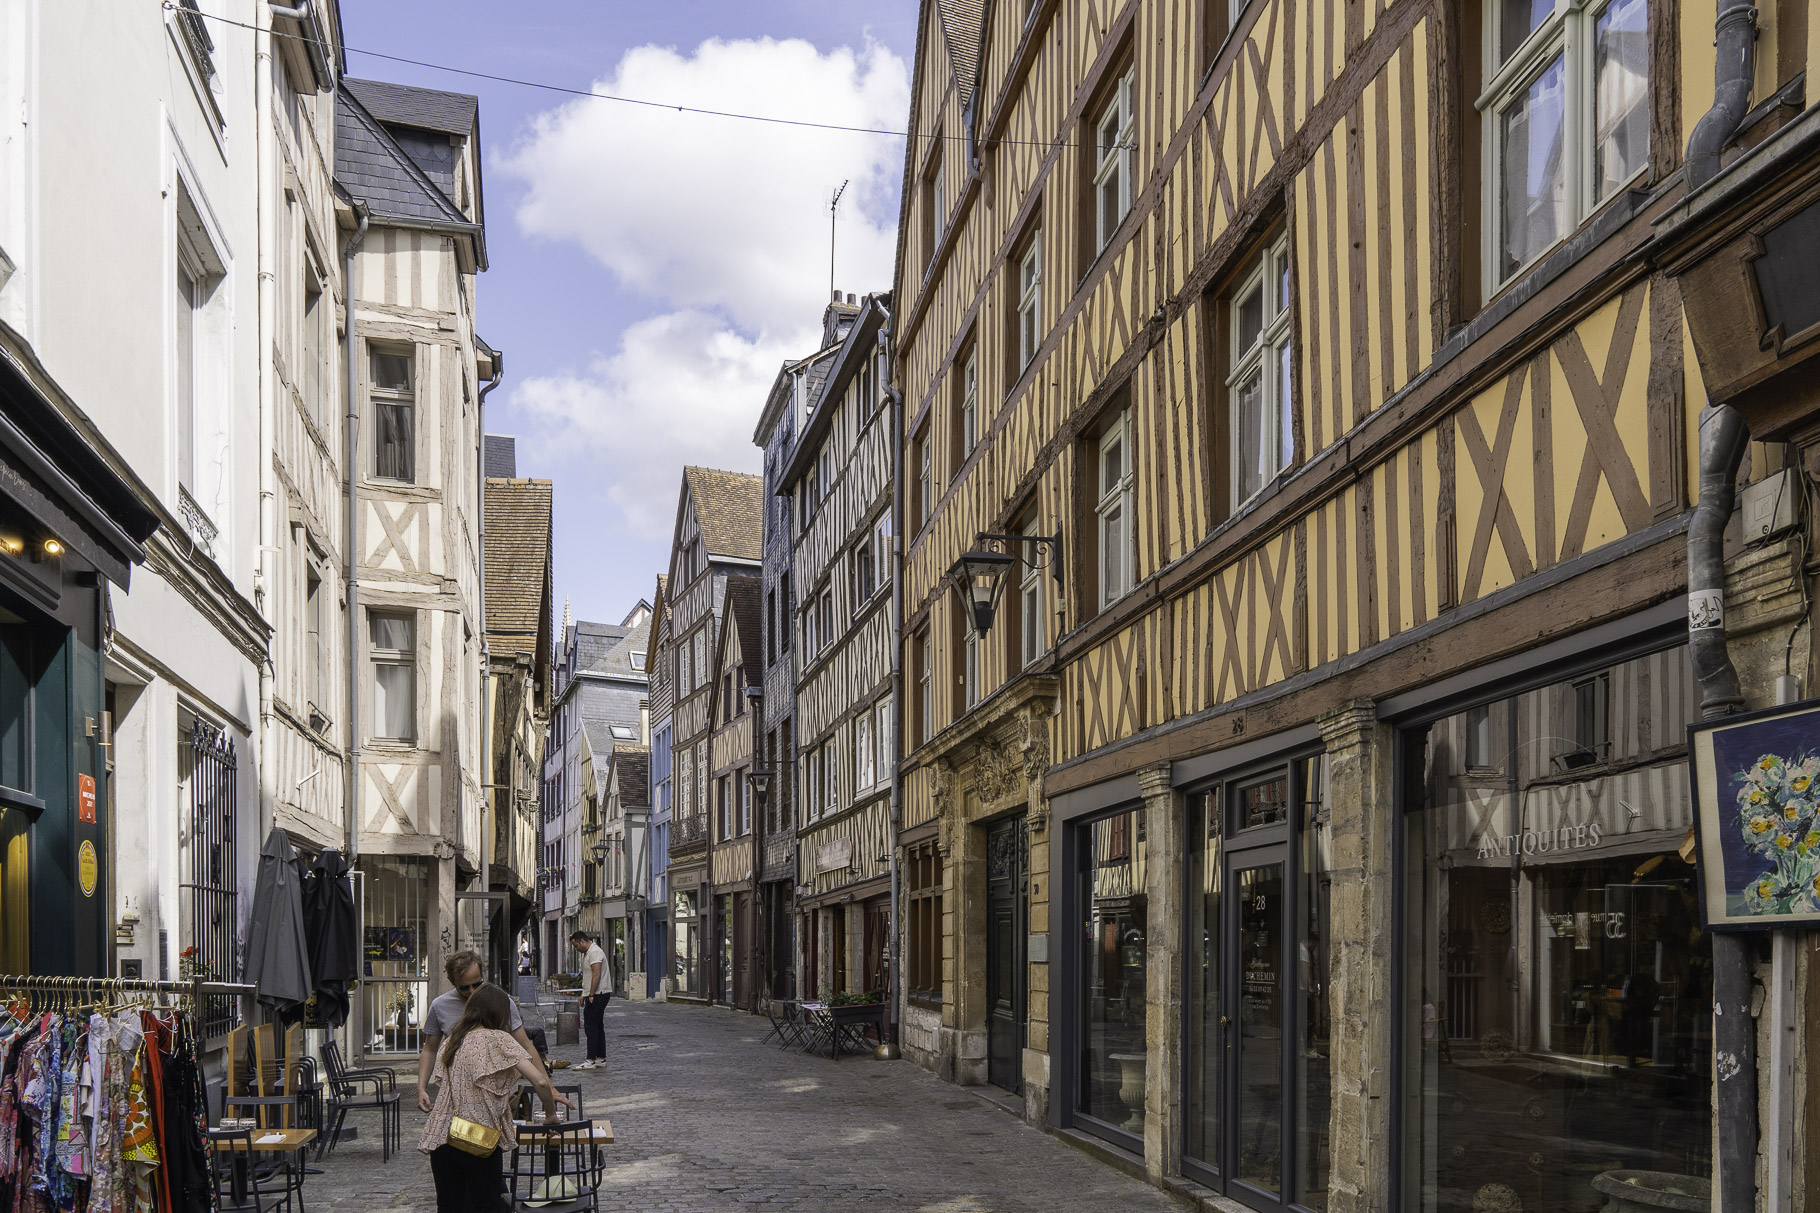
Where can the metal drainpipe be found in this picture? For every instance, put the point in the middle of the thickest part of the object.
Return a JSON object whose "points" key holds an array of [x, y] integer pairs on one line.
{"points": [[1722, 444], [896, 400], [267, 303], [351, 467], [1735, 36], [487, 787]]}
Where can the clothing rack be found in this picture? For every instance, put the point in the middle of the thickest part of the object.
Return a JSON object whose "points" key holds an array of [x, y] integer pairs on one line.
{"points": [[195, 988]]}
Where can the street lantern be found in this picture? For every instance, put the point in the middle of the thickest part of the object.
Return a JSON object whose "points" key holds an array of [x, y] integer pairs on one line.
{"points": [[759, 780], [599, 851], [979, 578]]}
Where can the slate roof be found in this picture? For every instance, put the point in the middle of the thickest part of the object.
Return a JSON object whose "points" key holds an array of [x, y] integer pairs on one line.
{"points": [[603, 648], [729, 509], [518, 605], [429, 109], [963, 21], [371, 166], [502, 456], [744, 599]]}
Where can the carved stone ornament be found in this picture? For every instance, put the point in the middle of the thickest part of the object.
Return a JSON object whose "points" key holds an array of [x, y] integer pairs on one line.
{"points": [[995, 770]]}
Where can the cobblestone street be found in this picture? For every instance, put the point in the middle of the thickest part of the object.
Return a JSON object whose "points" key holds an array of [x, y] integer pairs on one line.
{"points": [[707, 1118]]}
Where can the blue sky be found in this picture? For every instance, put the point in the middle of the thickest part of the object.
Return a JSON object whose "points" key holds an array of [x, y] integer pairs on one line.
{"points": [[651, 270]]}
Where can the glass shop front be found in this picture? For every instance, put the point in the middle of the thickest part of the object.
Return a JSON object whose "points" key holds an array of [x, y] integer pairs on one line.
{"points": [[1556, 983]]}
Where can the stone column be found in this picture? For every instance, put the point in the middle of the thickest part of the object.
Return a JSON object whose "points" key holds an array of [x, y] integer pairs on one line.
{"points": [[967, 945], [1361, 764], [1165, 845]]}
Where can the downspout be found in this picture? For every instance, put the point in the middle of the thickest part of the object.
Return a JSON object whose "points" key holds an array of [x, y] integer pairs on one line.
{"points": [[351, 468], [487, 784], [1735, 37], [1722, 443], [267, 302], [895, 399]]}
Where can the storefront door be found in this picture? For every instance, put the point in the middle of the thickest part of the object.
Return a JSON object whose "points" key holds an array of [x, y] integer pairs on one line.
{"points": [[1257, 1056], [1005, 967]]}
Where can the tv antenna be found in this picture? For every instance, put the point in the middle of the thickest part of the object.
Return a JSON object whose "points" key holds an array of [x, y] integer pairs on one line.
{"points": [[833, 210]]}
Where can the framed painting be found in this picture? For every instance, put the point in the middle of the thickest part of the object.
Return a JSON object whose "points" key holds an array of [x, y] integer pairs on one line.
{"points": [[1756, 787]]}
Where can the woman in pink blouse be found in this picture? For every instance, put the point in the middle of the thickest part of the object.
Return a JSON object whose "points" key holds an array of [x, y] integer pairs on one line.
{"points": [[476, 1072]]}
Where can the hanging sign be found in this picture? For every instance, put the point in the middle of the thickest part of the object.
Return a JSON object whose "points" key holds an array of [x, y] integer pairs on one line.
{"points": [[88, 868], [85, 798]]}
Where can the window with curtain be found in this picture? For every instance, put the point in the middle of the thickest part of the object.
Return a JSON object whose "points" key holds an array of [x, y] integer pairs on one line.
{"points": [[394, 416], [393, 639]]}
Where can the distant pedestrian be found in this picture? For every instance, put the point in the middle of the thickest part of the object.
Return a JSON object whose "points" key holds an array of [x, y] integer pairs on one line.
{"points": [[446, 1009], [476, 1072], [596, 992]]}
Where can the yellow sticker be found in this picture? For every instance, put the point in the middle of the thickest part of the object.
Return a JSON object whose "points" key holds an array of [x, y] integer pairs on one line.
{"points": [[88, 868]]}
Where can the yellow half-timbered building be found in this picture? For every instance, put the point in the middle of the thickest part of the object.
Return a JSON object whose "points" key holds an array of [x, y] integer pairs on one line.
{"points": [[1293, 797]]}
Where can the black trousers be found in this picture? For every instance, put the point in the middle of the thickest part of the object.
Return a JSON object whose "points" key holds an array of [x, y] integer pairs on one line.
{"points": [[467, 1183], [592, 1019]]}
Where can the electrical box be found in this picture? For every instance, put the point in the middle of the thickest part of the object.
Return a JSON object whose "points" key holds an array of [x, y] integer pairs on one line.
{"points": [[1771, 506]]}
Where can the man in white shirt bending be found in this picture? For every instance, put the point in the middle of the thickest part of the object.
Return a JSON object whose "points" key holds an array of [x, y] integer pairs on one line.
{"points": [[596, 990]]}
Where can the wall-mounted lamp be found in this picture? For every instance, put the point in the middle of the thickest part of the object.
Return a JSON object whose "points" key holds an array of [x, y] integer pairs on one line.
{"points": [[759, 780], [979, 574]]}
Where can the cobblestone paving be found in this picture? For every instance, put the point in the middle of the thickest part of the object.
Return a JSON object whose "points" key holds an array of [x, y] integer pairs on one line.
{"points": [[709, 1119]]}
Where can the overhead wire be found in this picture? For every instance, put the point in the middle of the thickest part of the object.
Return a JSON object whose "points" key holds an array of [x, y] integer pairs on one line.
{"points": [[566, 90]]}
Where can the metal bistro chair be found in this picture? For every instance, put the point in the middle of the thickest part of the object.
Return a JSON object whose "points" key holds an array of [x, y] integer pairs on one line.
{"points": [[241, 1185], [556, 1168], [360, 1091], [815, 1032], [787, 1031]]}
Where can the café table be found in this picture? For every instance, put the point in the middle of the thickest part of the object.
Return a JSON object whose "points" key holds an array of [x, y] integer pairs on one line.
{"points": [[290, 1142]]}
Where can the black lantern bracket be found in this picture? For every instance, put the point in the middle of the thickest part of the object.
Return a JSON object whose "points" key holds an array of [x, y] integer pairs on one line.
{"points": [[1047, 553]]}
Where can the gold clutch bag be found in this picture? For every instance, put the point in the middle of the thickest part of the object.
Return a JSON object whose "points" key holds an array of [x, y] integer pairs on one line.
{"points": [[471, 1138]]}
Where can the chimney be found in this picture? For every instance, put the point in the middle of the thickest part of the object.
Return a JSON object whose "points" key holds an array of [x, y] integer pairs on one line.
{"points": [[837, 296]]}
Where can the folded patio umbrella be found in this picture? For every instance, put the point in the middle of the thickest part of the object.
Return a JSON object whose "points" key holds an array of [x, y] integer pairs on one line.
{"points": [[333, 934], [277, 957]]}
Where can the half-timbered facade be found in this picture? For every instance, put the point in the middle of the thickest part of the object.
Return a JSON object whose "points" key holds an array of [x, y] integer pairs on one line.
{"points": [[838, 486], [1310, 359], [734, 843], [410, 158], [658, 935], [718, 535]]}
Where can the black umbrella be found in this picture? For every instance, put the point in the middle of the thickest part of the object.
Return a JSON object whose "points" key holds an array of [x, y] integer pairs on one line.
{"points": [[333, 932], [277, 959]]}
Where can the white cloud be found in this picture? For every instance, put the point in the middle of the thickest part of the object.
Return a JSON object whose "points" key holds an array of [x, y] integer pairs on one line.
{"points": [[717, 213], [723, 225], [681, 388]]}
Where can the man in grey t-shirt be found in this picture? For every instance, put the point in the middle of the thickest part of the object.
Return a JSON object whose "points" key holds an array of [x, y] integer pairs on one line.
{"points": [[465, 974]]}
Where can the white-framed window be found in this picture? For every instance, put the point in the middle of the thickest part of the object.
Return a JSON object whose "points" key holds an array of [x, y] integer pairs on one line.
{"points": [[1030, 300], [622, 732], [925, 689], [864, 754], [1115, 146], [701, 784], [685, 781], [1566, 112], [638, 659], [198, 325], [316, 631], [881, 733], [1258, 386], [315, 341], [925, 477], [881, 548], [865, 573], [1113, 510], [971, 668], [393, 638], [701, 658], [937, 197], [394, 414], [1032, 634], [970, 401]]}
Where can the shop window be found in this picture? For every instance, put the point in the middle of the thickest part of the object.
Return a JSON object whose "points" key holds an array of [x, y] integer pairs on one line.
{"points": [[1113, 964], [1557, 982], [923, 942], [394, 415], [394, 657], [1566, 109]]}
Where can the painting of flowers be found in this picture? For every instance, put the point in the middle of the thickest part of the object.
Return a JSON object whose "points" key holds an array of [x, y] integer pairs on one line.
{"points": [[1757, 780]]}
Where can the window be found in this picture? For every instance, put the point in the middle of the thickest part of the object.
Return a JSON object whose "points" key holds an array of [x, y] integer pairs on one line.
{"points": [[770, 627], [701, 784], [1478, 738], [1030, 300], [924, 497], [881, 547], [935, 200], [701, 658], [1258, 387], [923, 930], [394, 421], [394, 643], [1032, 627], [881, 732], [967, 431], [970, 677], [638, 659], [1113, 511], [315, 341], [925, 684], [824, 616], [685, 782], [622, 732], [682, 669], [206, 763], [1217, 17], [865, 573], [1567, 113], [1115, 148], [742, 806], [315, 627], [723, 800], [864, 754], [1589, 711], [809, 645]]}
